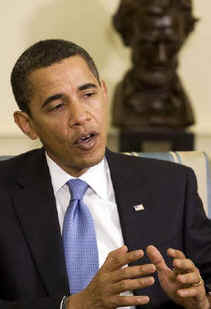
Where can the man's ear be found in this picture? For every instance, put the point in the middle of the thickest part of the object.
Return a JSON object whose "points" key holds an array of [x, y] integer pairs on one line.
{"points": [[23, 121], [103, 85]]}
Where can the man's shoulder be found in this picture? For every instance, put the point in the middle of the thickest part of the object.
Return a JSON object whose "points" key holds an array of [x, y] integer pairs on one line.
{"points": [[142, 164], [11, 165], [13, 159]]}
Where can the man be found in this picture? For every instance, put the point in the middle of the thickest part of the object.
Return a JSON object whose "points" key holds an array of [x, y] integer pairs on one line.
{"points": [[63, 102]]}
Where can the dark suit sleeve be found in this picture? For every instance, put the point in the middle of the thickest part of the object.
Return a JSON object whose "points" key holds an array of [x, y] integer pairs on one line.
{"points": [[43, 303], [21, 286], [197, 231], [32, 269]]}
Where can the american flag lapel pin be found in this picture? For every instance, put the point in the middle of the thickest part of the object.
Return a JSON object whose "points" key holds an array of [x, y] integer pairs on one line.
{"points": [[138, 207]]}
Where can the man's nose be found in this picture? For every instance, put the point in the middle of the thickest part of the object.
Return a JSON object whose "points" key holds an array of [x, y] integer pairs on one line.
{"points": [[79, 114]]}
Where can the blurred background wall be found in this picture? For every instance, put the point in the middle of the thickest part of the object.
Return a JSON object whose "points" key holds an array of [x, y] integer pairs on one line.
{"points": [[89, 23]]}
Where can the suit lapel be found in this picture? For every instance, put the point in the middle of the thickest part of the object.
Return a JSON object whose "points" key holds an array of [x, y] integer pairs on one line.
{"points": [[131, 186], [35, 206]]}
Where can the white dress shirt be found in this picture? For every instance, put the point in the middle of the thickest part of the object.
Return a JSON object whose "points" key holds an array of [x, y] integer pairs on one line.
{"points": [[100, 200]]}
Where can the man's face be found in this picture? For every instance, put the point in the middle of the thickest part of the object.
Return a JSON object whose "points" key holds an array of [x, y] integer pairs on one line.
{"points": [[156, 46], [69, 114]]}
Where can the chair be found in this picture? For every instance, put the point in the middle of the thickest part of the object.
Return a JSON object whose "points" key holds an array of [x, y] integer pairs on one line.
{"points": [[197, 160]]}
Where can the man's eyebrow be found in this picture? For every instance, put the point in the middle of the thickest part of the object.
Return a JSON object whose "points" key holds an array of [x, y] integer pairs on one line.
{"points": [[52, 98], [87, 86], [60, 95]]}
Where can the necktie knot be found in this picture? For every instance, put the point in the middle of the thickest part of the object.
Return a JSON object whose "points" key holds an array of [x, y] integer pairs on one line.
{"points": [[77, 188]]}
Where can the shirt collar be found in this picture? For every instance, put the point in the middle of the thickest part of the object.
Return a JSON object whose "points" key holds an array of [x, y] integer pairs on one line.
{"points": [[97, 177]]}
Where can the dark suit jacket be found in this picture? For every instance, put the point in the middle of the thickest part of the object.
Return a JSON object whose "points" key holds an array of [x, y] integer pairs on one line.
{"points": [[32, 267]]}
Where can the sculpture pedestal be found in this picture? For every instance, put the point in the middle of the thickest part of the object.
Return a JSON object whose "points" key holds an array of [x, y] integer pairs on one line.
{"points": [[157, 139]]}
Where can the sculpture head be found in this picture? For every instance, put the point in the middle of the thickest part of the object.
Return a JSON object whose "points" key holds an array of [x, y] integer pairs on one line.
{"points": [[156, 44], [163, 7], [160, 29], [156, 31]]}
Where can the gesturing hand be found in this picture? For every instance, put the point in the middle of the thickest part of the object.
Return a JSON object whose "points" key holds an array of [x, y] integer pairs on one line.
{"points": [[113, 278], [183, 284]]}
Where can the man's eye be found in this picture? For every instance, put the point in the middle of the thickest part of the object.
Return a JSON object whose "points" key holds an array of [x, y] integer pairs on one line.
{"points": [[57, 107], [89, 94]]}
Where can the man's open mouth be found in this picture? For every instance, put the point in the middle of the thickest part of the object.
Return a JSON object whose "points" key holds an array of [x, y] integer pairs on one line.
{"points": [[85, 138], [86, 141]]}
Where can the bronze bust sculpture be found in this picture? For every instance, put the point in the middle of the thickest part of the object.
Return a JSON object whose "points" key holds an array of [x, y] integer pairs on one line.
{"points": [[151, 93]]}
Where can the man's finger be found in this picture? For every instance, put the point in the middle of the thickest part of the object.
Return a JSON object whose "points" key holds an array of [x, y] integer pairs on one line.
{"points": [[125, 301], [189, 278], [175, 254], [130, 285], [156, 258], [132, 272], [184, 266], [121, 257], [191, 292]]}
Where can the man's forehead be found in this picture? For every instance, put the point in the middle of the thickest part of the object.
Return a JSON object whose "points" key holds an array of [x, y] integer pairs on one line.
{"points": [[68, 66], [67, 74]]}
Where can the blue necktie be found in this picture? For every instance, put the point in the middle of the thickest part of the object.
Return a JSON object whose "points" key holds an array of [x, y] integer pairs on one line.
{"points": [[79, 239]]}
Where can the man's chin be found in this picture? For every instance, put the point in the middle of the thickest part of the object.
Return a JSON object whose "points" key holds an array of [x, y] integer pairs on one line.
{"points": [[92, 161], [83, 164]]}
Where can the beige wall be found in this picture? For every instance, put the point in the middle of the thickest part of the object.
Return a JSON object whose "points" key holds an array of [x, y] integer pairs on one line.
{"points": [[196, 66], [24, 22]]}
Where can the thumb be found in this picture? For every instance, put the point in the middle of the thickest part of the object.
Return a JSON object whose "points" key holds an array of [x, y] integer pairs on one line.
{"points": [[156, 258]]}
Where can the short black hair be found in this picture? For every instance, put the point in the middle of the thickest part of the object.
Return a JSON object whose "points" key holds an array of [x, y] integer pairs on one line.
{"points": [[40, 55]]}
